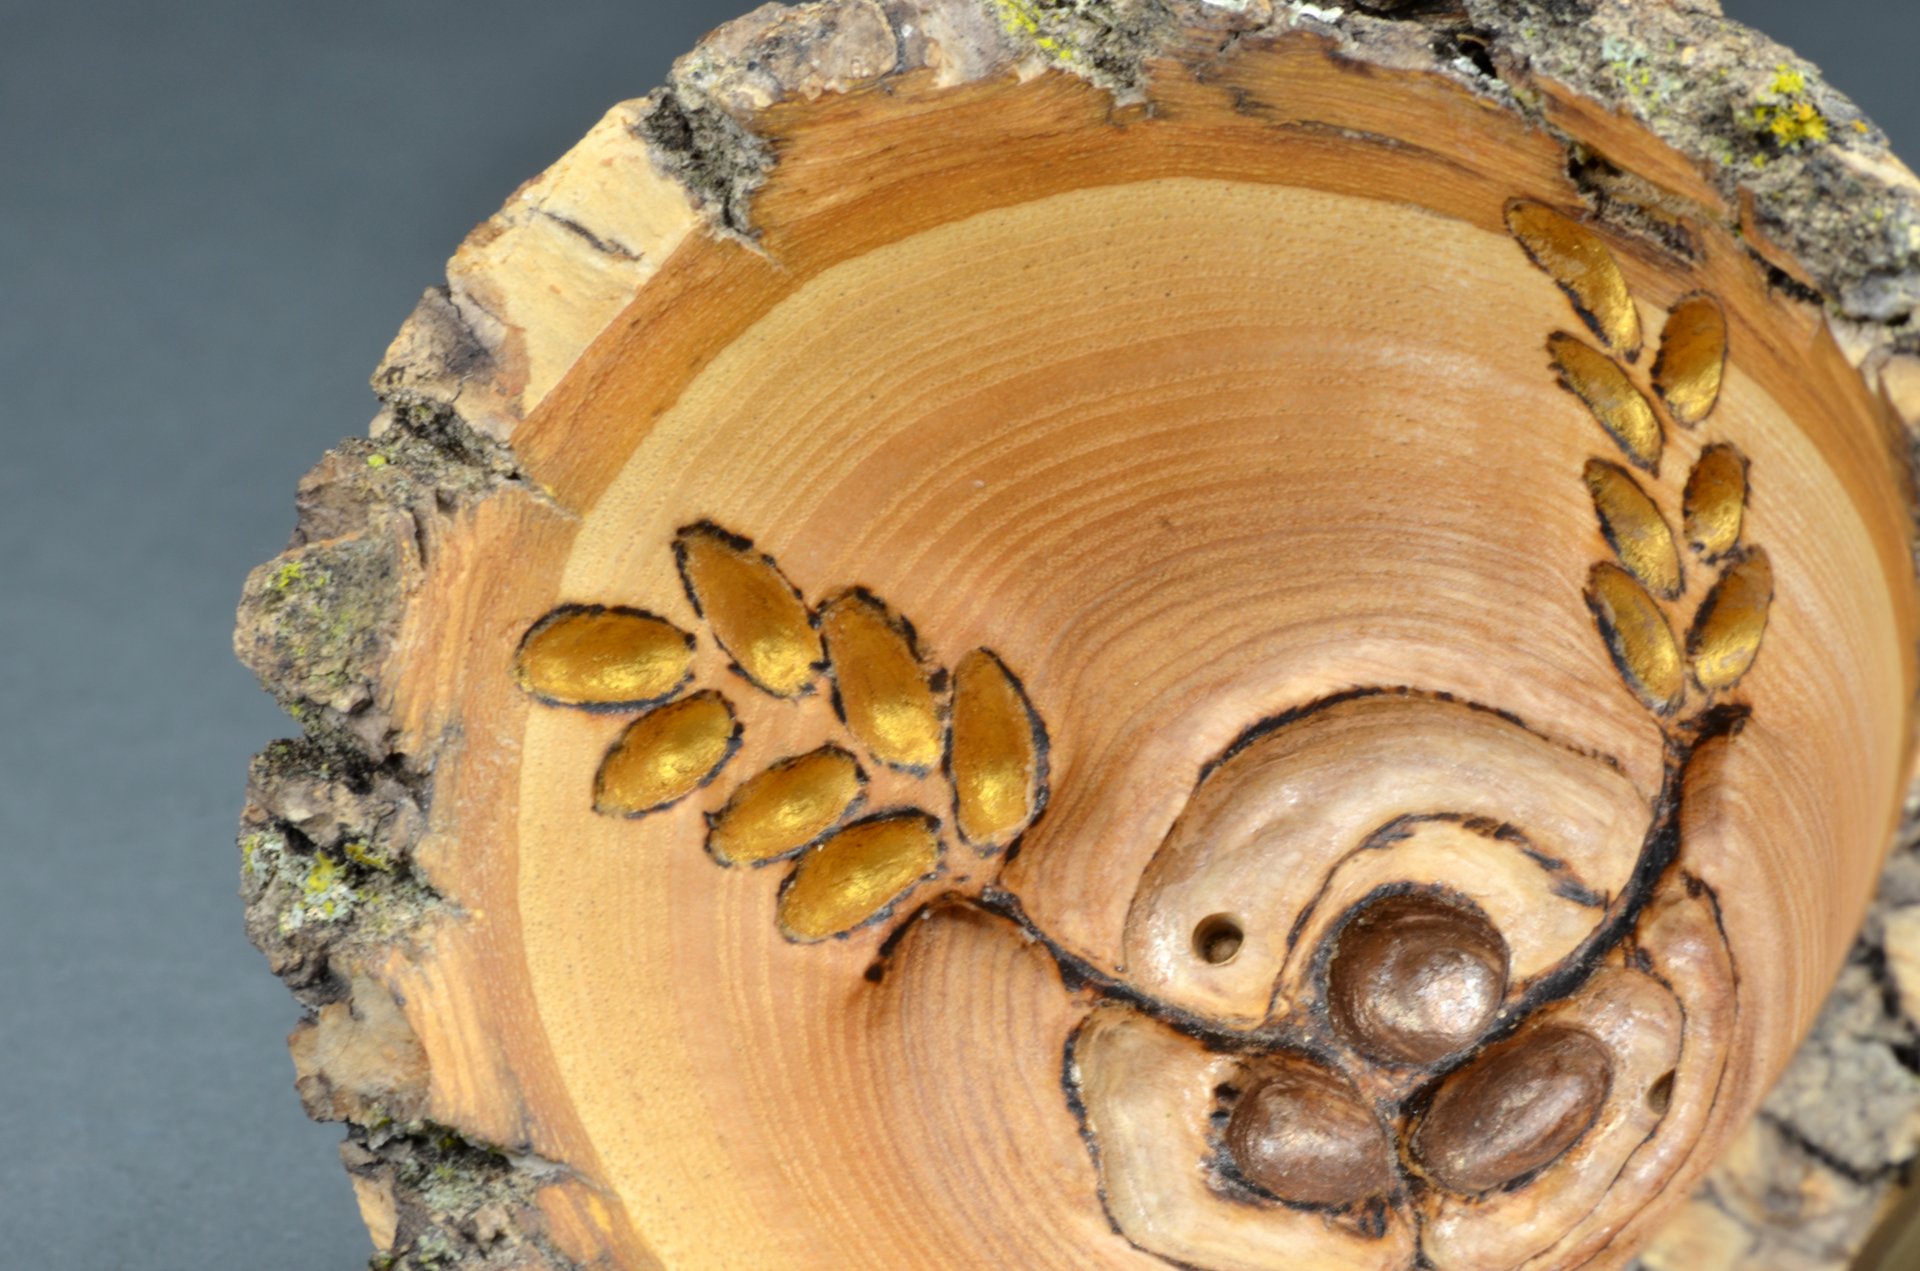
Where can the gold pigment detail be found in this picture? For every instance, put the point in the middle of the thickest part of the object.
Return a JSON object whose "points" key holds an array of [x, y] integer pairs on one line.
{"points": [[1693, 355], [1716, 501], [665, 755], [996, 757], [890, 699], [589, 655], [1726, 634], [755, 613], [786, 807], [1632, 523], [1638, 637], [885, 694], [1573, 256], [1622, 409], [855, 875]]}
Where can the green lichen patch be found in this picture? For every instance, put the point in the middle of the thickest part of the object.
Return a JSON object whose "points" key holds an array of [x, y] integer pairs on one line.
{"points": [[1784, 111], [304, 887], [326, 861], [298, 576], [1649, 81], [364, 854], [1107, 41], [312, 885], [1774, 139], [1021, 19], [315, 624], [325, 894]]}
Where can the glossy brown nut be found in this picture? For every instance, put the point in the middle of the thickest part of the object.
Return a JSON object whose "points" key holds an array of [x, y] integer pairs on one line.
{"points": [[1514, 1110], [1414, 978], [1302, 1135]]}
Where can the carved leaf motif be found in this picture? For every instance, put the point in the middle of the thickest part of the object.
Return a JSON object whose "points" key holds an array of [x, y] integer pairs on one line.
{"points": [[1619, 406], [1576, 258], [665, 755], [1727, 631], [1693, 357], [756, 615], [1715, 503], [1634, 528], [887, 694], [858, 874], [787, 807], [885, 691], [1638, 636], [603, 658], [996, 753]]}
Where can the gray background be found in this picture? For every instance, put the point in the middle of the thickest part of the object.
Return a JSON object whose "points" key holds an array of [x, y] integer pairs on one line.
{"points": [[213, 216]]}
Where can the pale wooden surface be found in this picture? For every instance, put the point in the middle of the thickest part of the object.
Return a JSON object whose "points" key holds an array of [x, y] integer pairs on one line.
{"points": [[1195, 394]]}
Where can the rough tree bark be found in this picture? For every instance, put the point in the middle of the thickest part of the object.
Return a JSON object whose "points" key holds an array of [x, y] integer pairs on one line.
{"points": [[1313, 609]]}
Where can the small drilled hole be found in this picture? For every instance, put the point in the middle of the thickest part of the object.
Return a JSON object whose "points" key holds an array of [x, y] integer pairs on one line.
{"points": [[1217, 939], [1660, 1095]]}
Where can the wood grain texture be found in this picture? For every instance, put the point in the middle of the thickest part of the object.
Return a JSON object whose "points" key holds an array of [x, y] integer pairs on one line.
{"points": [[1164, 499]]}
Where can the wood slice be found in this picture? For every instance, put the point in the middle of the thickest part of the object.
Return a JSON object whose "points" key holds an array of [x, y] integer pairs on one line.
{"points": [[1128, 634]]}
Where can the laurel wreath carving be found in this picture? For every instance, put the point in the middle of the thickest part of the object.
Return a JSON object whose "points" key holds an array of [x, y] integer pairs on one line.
{"points": [[1641, 598], [969, 738]]}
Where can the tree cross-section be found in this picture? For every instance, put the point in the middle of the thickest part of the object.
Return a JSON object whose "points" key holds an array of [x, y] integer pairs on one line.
{"points": [[1060, 633]]}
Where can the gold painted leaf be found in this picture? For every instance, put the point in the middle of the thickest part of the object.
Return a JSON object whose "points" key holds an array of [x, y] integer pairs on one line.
{"points": [[1732, 619], [1633, 525], [786, 807], [1638, 636], [1622, 409], [1715, 503], [603, 658], [1693, 357], [884, 691], [665, 755], [756, 615], [997, 753], [858, 874], [1576, 258]]}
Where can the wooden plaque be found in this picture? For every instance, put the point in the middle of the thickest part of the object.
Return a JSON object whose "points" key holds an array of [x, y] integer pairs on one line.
{"points": [[1051, 634]]}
